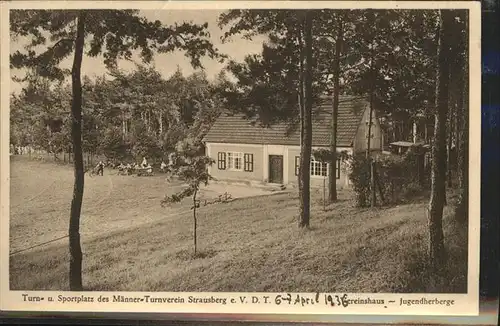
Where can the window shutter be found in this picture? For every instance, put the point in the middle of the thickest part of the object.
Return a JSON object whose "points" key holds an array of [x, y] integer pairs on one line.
{"points": [[297, 164], [221, 160], [338, 169], [248, 162]]}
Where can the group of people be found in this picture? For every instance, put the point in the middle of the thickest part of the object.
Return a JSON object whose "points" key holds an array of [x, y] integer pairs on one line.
{"points": [[21, 150], [143, 166], [129, 168]]}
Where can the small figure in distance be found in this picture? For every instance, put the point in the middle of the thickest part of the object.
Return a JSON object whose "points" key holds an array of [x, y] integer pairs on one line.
{"points": [[163, 167], [100, 168]]}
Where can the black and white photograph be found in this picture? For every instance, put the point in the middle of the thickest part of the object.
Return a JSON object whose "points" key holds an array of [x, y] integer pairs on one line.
{"points": [[241, 149]]}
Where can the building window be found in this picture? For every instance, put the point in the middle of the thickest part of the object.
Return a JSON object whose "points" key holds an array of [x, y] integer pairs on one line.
{"points": [[234, 161], [248, 162], [221, 161], [318, 168]]}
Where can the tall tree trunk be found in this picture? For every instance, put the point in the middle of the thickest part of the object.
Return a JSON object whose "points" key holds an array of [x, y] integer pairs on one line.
{"points": [[461, 211], [426, 133], [31, 143], [332, 168], [301, 140], [449, 166], [457, 126], [148, 126], [369, 136], [438, 174], [372, 89], [195, 226], [161, 123], [306, 150], [301, 107], [124, 129], [415, 131], [75, 263]]}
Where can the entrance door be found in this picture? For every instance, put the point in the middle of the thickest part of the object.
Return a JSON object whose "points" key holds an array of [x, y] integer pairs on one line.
{"points": [[276, 169]]}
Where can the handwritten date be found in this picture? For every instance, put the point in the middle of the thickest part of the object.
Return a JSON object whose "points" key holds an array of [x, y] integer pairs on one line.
{"points": [[336, 300], [294, 299], [329, 299]]}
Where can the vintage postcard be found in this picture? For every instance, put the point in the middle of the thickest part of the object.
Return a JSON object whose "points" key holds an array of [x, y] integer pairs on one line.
{"points": [[253, 158]]}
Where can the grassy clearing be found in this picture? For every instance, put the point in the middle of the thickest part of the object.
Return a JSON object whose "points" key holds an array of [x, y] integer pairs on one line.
{"points": [[250, 244]]}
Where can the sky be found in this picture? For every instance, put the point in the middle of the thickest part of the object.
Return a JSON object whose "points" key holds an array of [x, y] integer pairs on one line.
{"points": [[237, 48]]}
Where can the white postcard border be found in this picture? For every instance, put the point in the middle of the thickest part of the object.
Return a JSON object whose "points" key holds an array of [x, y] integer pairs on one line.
{"points": [[464, 304]]}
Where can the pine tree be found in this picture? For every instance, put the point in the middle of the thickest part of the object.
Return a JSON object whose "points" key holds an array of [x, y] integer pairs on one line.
{"points": [[112, 33]]}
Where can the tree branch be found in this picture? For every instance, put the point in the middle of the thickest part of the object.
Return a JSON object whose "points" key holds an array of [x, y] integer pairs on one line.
{"points": [[59, 42]]}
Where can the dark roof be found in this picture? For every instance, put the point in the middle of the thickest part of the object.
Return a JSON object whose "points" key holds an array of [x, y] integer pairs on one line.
{"points": [[237, 128]]}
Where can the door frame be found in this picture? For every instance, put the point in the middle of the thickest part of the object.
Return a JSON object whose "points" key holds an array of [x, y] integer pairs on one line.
{"points": [[282, 168]]}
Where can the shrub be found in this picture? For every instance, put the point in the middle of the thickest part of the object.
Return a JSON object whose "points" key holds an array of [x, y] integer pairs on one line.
{"points": [[360, 178], [413, 161], [411, 190], [397, 177]]}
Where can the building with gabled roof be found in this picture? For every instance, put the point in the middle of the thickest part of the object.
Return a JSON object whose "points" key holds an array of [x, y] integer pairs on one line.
{"points": [[246, 151]]}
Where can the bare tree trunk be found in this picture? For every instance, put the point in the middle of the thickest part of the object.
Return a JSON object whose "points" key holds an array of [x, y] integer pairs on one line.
{"points": [[372, 89], [449, 158], [301, 108], [456, 131], [75, 263], [161, 123], [148, 129], [306, 150], [194, 221], [332, 168], [415, 132], [438, 174], [124, 124], [369, 136], [461, 211], [426, 135]]}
